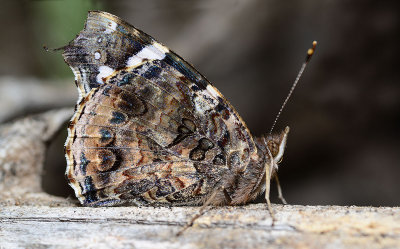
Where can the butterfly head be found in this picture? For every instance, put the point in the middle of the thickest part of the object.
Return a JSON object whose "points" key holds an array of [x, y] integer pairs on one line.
{"points": [[258, 174], [274, 145]]}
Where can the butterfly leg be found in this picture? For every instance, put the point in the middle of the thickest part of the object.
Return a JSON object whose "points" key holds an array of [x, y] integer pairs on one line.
{"points": [[203, 208], [271, 212], [268, 172], [278, 185]]}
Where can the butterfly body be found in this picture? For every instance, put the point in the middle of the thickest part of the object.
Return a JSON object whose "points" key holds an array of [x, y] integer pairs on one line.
{"points": [[150, 130]]}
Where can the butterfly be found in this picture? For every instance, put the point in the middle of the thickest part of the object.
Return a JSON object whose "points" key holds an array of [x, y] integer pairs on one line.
{"points": [[149, 129]]}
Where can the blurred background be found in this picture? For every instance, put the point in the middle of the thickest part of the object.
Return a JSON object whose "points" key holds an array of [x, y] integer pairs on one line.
{"points": [[343, 147]]}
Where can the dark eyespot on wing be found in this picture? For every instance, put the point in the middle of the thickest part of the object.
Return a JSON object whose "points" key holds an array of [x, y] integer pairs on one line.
{"points": [[106, 160], [83, 163], [131, 104], [199, 153], [105, 134], [117, 118], [205, 144]]}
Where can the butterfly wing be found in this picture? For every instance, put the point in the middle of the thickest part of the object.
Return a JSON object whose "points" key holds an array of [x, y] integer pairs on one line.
{"points": [[148, 127]]}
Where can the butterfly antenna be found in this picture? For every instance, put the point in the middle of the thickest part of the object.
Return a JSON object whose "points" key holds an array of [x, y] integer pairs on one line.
{"points": [[310, 52], [47, 49]]}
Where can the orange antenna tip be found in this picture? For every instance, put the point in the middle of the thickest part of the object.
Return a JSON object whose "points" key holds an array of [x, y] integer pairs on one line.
{"points": [[311, 51]]}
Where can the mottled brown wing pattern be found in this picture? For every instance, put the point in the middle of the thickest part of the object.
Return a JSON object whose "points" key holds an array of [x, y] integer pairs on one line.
{"points": [[148, 127], [114, 147]]}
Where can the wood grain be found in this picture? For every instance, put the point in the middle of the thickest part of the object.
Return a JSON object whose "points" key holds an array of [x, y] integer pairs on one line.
{"points": [[222, 227]]}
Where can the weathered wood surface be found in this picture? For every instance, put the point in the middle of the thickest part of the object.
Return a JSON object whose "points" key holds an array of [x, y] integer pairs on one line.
{"points": [[223, 227], [30, 218]]}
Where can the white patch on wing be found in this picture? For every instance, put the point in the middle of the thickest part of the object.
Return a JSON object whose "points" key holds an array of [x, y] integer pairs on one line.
{"points": [[97, 55], [150, 52], [104, 72]]}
